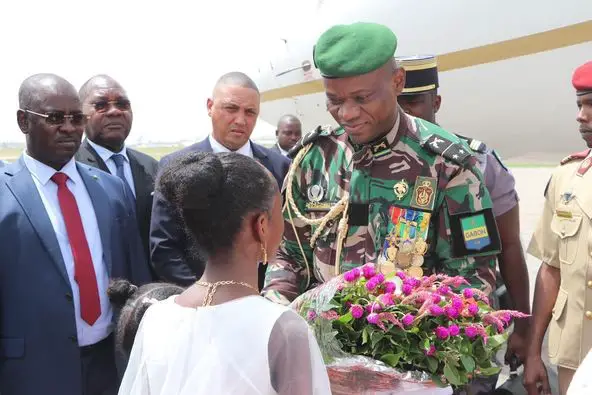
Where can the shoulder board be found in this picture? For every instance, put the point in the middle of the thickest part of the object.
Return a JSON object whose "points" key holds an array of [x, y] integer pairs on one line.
{"points": [[474, 144], [440, 142], [577, 155], [311, 137]]}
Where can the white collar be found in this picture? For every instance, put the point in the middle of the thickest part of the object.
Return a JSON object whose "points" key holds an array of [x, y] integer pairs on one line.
{"points": [[43, 173], [282, 151], [106, 153], [217, 147]]}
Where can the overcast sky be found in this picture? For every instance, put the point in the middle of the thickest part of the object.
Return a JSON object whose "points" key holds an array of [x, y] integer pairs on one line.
{"points": [[167, 54]]}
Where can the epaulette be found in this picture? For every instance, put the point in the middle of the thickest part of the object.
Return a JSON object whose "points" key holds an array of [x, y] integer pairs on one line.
{"points": [[474, 144], [308, 138], [577, 155]]}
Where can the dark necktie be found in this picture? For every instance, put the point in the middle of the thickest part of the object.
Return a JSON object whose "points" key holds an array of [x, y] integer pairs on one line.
{"points": [[119, 161], [84, 271]]}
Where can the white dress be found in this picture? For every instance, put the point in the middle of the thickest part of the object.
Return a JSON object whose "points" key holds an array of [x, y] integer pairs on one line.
{"points": [[242, 347], [581, 383]]}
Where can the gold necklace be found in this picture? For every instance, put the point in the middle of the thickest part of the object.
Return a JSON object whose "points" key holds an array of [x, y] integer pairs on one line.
{"points": [[212, 287]]}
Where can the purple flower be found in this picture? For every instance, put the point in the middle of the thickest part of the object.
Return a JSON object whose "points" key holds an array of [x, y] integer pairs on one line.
{"points": [[401, 275], [390, 286], [505, 317], [408, 319], [442, 333], [436, 298], [431, 351], [444, 290], [414, 282], [368, 271], [386, 299], [473, 309], [457, 303], [407, 289], [379, 277], [352, 275], [371, 284], [436, 310], [468, 293], [311, 315], [373, 318], [453, 330], [452, 312], [357, 311], [471, 332]]}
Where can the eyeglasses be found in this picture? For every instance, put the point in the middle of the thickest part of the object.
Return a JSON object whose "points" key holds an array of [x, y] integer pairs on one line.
{"points": [[59, 117], [103, 105]]}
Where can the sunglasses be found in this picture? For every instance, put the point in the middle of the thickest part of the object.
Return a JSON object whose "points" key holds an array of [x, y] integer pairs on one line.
{"points": [[103, 105], [59, 117]]}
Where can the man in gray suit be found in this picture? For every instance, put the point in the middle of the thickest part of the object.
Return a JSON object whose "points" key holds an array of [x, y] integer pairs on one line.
{"points": [[288, 133]]}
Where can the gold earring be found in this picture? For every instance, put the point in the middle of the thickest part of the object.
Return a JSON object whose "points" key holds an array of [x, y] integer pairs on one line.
{"points": [[264, 253]]}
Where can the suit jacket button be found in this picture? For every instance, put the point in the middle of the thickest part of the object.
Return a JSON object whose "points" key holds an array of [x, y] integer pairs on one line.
{"points": [[590, 284], [589, 315], [69, 297]]}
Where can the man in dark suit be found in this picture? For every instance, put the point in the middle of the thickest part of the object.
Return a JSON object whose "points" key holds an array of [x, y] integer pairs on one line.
{"points": [[109, 123], [66, 229], [233, 108], [288, 133]]}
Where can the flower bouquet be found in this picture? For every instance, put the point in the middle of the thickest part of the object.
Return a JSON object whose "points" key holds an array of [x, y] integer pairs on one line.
{"points": [[380, 334]]}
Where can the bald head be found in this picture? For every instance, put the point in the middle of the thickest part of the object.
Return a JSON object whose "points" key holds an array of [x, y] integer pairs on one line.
{"points": [[36, 88], [288, 132], [237, 79], [288, 118], [100, 81]]}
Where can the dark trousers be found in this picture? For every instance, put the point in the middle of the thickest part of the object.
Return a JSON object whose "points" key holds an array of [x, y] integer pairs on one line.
{"points": [[99, 372]]}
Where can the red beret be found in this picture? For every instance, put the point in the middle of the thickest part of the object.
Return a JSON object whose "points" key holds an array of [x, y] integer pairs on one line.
{"points": [[582, 78]]}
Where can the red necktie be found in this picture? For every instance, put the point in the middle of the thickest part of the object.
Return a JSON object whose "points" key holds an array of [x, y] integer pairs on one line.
{"points": [[84, 271]]}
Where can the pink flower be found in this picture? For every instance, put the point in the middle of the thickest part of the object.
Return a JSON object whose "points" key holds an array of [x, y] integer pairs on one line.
{"points": [[330, 315], [473, 309], [386, 299], [390, 317], [373, 318], [436, 310], [457, 303], [431, 351], [408, 319], [454, 330], [390, 286], [452, 312], [357, 311], [471, 332], [407, 289], [401, 275], [352, 275], [444, 290], [368, 271], [436, 298], [379, 277], [311, 315], [414, 282], [371, 285], [442, 333], [505, 317], [468, 293]]}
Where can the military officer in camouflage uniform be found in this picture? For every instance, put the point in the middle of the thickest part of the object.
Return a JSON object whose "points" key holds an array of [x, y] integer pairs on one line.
{"points": [[420, 98], [384, 187], [563, 291]]}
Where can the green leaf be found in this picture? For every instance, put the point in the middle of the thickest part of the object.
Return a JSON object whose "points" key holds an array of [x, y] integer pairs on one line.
{"points": [[365, 335], [426, 344], [375, 337], [468, 362], [432, 364], [489, 371], [452, 375], [391, 359], [346, 318], [497, 340]]}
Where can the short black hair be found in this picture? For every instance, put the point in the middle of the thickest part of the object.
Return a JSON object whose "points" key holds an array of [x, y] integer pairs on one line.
{"points": [[133, 303], [212, 193]]}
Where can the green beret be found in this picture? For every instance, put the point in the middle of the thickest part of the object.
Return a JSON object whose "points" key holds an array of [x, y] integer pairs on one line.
{"points": [[355, 49]]}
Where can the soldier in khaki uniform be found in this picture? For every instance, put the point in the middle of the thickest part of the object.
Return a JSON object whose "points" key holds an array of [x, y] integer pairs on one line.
{"points": [[562, 240]]}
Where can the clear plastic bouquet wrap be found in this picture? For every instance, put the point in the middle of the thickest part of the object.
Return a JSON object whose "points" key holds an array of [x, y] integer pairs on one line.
{"points": [[398, 334]]}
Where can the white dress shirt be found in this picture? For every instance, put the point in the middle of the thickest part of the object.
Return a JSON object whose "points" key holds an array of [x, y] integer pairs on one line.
{"points": [[217, 147], [282, 151], [106, 155], [48, 190]]}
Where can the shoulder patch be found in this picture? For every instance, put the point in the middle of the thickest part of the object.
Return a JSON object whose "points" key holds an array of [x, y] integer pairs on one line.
{"points": [[474, 144], [574, 156], [454, 152]]}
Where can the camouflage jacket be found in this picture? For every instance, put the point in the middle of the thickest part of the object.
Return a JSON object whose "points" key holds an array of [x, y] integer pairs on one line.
{"points": [[417, 183]]}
